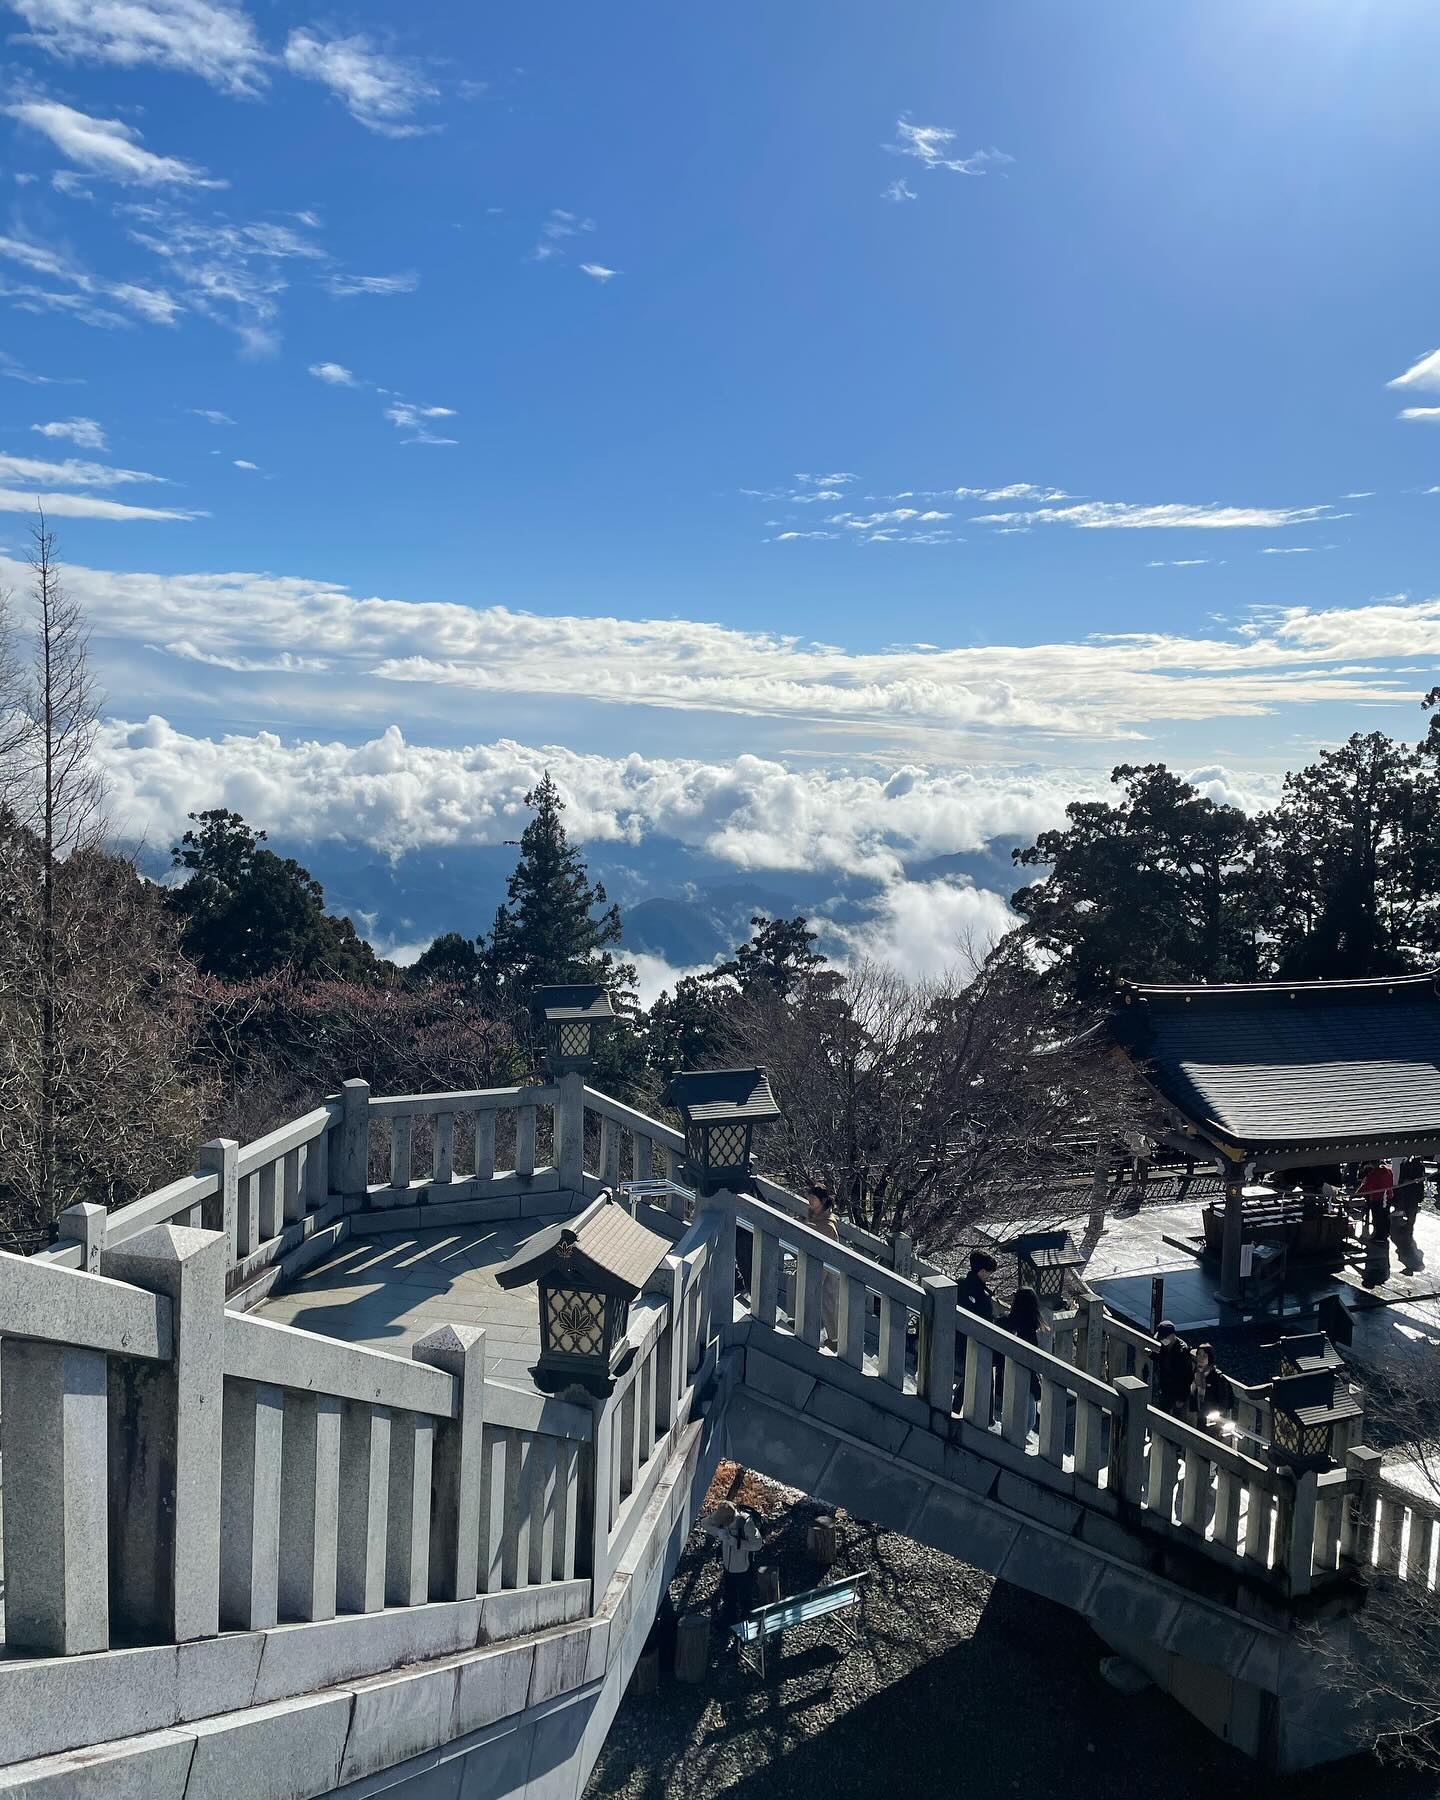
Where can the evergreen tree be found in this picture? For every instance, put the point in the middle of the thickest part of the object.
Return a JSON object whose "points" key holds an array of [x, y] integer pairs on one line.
{"points": [[555, 925], [452, 959], [248, 912], [779, 957]]}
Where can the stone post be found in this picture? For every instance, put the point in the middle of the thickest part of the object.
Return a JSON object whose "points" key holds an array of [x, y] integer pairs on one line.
{"points": [[456, 1461], [1357, 1530], [84, 1224], [1127, 1443], [52, 1398], [570, 1129], [938, 1344], [671, 1350], [220, 1157], [351, 1175], [720, 1280], [165, 1427]]}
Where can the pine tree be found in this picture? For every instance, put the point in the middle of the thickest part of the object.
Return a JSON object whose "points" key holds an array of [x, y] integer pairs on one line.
{"points": [[555, 924]]}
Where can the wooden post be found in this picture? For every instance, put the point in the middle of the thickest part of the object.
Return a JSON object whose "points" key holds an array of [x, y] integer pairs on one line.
{"points": [[692, 1648]]}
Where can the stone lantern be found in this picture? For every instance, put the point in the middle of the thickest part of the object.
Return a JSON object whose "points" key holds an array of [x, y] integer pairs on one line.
{"points": [[587, 1270], [720, 1108], [1311, 1417], [1044, 1256], [573, 1015], [1304, 1355]]}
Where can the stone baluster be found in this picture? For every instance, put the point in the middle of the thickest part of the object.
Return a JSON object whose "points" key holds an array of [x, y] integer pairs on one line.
{"points": [[567, 1494], [520, 1472], [309, 1505], [165, 1428], [670, 1352], [570, 1133], [493, 1484], [364, 1507], [442, 1166], [1329, 1522], [641, 1153], [56, 1562], [352, 1171], [765, 1278], [292, 1184], [937, 1344], [407, 1529], [401, 1137], [317, 1172], [543, 1508], [1195, 1503], [1295, 1546], [269, 1202], [1127, 1444], [247, 1215], [219, 1158], [1419, 1548], [893, 1321], [1015, 1402], [1164, 1473], [977, 1402], [250, 1505], [1089, 1439], [809, 1298], [1392, 1526], [485, 1146], [1228, 1490], [854, 1312], [1259, 1515], [1053, 1420], [84, 1224], [525, 1142], [457, 1461]]}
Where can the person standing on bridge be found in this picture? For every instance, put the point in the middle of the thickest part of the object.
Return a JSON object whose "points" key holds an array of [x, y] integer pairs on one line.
{"points": [[974, 1296], [820, 1205], [1174, 1369]]}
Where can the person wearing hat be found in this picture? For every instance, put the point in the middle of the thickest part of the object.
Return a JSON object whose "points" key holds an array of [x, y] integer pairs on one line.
{"points": [[740, 1542], [1174, 1369]]}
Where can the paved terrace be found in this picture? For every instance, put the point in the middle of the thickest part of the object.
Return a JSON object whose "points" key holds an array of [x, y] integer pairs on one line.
{"points": [[253, 1547]]}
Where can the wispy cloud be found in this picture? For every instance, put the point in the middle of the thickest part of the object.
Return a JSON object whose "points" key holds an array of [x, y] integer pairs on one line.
{"points": [[1420, 412], [899, 191], [1097, 515], [240, 463], [931, 145], [16, 371], [80, 294], [558, 227], [415, 419], [598, 272], [233, 273], [73, 472], [379, 90], [343, 285], [207, 38], [1360, 494], [211, 415], [1423, 373], [85, 506], [107, 147], [86, 434], [1180, 562], [333, 373]]}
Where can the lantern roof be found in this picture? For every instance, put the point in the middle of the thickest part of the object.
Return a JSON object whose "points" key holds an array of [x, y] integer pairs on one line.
{"points": [[1309, 1351], [571, 1001], [1312, 1398], [601, 1248], [721, 1096], [1046, 1249]]}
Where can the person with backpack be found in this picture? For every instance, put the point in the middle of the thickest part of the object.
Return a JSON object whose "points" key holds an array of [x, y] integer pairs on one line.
{"points": [[740, 1542], [1174, 1369]]}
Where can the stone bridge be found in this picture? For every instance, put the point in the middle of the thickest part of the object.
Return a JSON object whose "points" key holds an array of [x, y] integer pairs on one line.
{"points": [[243, 1556]]}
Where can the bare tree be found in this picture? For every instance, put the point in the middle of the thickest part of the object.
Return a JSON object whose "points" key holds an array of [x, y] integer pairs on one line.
{"points": [[930, 1107], [60, 796]]}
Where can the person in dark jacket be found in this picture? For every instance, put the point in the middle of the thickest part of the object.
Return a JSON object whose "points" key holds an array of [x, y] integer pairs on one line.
{"points": [[974, 1296], [1210, 1392], [1024, 1319], [1174, 1369]]}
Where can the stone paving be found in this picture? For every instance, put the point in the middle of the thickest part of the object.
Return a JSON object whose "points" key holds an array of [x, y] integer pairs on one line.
{"points": [[386, 1289]]}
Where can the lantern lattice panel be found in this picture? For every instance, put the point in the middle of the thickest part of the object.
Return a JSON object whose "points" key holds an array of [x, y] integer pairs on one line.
{"points": [[726, 1146], [576, 1322], [575, 1038]]}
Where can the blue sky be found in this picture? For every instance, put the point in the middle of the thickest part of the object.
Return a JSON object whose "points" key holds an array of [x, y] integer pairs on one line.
{"points": [[1034, 360]]}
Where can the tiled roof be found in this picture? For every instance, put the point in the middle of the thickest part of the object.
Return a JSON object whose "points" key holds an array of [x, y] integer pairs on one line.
{"points": [[1289, 1067], [708, 1095], [575, 1000]]}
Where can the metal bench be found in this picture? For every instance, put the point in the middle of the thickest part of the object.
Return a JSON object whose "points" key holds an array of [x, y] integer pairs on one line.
{"points": [[828, 1602]]}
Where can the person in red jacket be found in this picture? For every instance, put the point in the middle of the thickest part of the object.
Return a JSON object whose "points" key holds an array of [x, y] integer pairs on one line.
{"points": [[1376, 1185]]}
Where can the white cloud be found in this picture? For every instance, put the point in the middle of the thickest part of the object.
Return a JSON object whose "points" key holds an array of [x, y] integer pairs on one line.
{"points": [[85, 433], [1181, 562], [232, 273], [240, 463], [202, 37], [16, 371], [1419, 412], [84, 506], [1093, 515], [899, 191], [379, 90], [211, 415], [930, 144], [654, 976], [70, 473], [1424, 373], [1289, 550], [107, 147], [598, 271], [344, 285], [335, 373], [409, 417], [926, 929], [558, 226], [449, 654], [1360, 494]]}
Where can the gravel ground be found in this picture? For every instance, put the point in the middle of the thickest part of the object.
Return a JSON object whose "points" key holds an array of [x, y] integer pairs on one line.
{"points": [[961, 1685]]}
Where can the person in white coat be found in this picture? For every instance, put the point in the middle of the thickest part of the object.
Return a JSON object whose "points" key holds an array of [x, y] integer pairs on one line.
{"points": [[740, 1543]]}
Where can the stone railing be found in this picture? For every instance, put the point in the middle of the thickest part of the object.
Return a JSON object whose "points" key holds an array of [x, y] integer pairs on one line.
{"points": [[1096, 1435], [1388, 1527]]}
